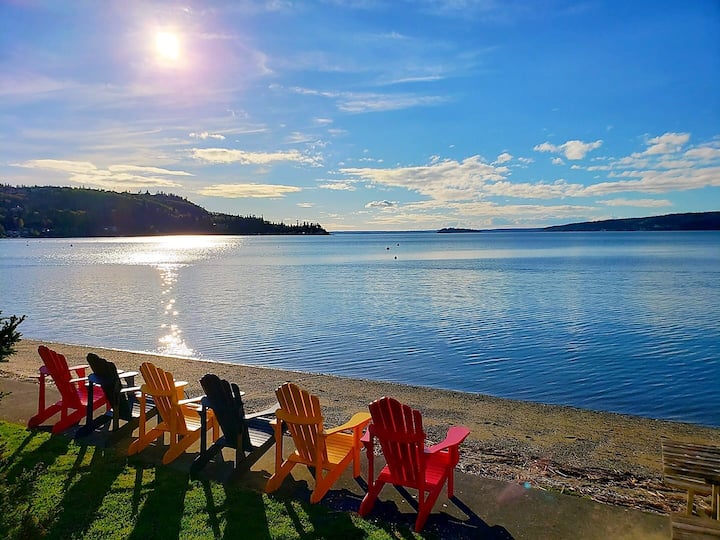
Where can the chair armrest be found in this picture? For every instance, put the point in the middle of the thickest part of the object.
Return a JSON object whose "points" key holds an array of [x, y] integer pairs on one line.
{"points": [[270, 411], [79, 367], [127, 374], [360, 419], [366, 438], [78, 379], [455, 436], [187, 401], [129, 389]]}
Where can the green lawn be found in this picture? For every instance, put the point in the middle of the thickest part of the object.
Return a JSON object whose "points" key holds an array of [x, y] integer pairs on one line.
{"points": [[51, 487]]}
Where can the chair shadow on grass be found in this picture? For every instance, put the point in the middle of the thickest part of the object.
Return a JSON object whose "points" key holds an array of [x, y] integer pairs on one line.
{"points": [[7, 461], [245, 514], [164, 501], [90, 484], [23, 460], [333, 521]]}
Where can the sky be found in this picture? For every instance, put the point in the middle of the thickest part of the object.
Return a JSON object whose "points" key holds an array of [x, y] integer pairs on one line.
{"points": [[370, 115]]}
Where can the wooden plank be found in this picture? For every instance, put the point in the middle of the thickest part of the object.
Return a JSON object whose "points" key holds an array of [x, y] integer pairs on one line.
{"points": [[694, 527]]}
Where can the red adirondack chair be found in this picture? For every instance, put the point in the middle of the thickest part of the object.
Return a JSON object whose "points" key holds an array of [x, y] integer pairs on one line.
{"points": [[409, 463], [72, 405]]}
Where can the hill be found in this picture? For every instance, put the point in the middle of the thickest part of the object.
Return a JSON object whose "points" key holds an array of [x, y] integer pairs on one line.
{"points": [[78, 212], [700, 221]]}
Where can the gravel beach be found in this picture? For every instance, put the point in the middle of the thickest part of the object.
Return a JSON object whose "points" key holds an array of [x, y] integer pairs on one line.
{"points": [[610, 458]]}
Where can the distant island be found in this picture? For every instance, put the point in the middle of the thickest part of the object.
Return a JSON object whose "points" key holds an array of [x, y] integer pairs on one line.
{"points": [[700, 221], [64, 212]]}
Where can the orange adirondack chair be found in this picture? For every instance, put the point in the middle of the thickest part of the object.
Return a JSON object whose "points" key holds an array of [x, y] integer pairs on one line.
{"points": [[73, 402], [409, 463], [178, 417], [329, 450]]}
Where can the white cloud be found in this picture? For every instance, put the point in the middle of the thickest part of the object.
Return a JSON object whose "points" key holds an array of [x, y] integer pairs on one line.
{"points": [[225, 155], [139, 169], [248, 191], [205, 135], [362, 102], [572, 150], [381, 204], [338, 186], [640, 203], [114, 177], [557, 161], [704, 153], [446, 180], [503, 158], [667, 143], [59, 165]]}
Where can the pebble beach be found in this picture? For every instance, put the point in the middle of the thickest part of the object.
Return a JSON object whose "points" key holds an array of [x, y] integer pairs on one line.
{"points": [[610, 458]]}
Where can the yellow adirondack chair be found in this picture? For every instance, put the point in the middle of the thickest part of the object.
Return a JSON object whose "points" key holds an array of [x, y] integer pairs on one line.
{"points": [[178, 417], [326, 450]]}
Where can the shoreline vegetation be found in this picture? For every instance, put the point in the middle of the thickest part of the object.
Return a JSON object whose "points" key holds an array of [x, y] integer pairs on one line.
{"points": [[64, 212], [607, 457], [693, 221]]}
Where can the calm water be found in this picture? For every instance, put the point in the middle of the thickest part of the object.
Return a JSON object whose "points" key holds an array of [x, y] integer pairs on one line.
{"points": [[623, 322]]}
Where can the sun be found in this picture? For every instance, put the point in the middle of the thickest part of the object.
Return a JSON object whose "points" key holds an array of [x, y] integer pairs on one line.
{"points": [[167, 45]]}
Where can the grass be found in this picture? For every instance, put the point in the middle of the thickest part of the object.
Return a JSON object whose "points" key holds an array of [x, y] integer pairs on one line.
{"points": [[51, 487]]}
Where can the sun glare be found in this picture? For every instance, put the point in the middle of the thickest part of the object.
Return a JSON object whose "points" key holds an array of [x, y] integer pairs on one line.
{"points": [[168, 46]]}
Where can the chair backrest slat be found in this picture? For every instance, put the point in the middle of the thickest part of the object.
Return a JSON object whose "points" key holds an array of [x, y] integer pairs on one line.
{"points": [[72, 394], [402, 439], [161, 386], [107, 375], [295, 401], [226, 402]]}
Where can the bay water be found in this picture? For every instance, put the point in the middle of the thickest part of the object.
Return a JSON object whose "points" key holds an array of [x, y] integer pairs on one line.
{"points": [[626, 322]]}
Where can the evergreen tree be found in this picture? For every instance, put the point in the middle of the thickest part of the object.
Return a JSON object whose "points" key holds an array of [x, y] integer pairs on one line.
{"points": [[9, 335]]}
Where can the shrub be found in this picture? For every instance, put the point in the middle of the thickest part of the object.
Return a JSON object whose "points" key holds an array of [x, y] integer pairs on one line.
{"points": [[9, 335]]}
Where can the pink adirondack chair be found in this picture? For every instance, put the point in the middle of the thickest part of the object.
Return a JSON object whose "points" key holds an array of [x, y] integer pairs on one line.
{"points": [[409, 463], [73, 402]]}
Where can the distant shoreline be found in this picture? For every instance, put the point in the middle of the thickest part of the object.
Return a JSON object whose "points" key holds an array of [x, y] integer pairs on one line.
{"points": [[694, 221]]}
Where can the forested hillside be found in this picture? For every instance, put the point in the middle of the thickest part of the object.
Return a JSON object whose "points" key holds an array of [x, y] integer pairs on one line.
{"points": [[78, 212], [700, 221]]}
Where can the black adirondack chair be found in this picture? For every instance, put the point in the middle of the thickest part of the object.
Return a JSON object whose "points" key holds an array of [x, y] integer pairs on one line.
{"points": [[119, 388], [250, 435]]}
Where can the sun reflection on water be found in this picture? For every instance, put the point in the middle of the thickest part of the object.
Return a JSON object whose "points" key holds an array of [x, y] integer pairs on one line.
{"points": [[172, 342], [167, 254]]}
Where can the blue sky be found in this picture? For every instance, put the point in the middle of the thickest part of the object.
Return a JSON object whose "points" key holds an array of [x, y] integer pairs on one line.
{"points": [[370, 114]]}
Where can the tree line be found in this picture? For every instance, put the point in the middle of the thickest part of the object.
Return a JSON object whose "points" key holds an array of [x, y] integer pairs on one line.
{"points": [[65, 212]]}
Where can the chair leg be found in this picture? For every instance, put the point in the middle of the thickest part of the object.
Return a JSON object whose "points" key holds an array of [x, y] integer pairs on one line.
{"points": [[276, 480], [204, 458], [323, 484], [426, 506], [370, 497], [177, 449], [67, 421], [423, 515], [690, 502], [144, 441], [43, 415]]}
